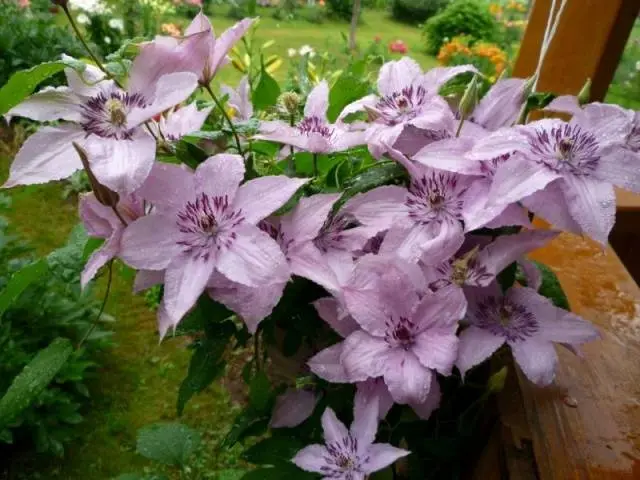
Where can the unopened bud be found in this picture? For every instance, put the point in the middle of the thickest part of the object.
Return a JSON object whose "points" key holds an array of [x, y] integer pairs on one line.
{"points": [[469, 98], [497, 380], [372, 114], [290, 102], [528, 87], [104, 195], [585, 93]]}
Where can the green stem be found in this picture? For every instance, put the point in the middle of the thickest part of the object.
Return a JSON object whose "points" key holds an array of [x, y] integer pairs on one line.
{"points": [[462, 119], [292, 162], [256, 350], [226, 116], [104, 303], [93, 56], [315, 164]]}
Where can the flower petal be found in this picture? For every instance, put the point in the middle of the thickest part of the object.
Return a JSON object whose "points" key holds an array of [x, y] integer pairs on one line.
{"points": [[368, 101], [503, 142], [90, 82], [331, 312], [437, 349], [262, 196], [168, 186], [99, 221], [448, 155], [308, 262], [438, 76], [407, 379], [565, 103], [312, 458], [253, 259], [379, 207], [46, 155], [308, 217], [365, 421], [592, 204], [326, 364], [364, 356], [49, 104], [150, 242], [373, 390], [318, 101], [220, 175], [223, 44], [397, 74], [620, 167], [426, 408], [122, 165], [518, 178], [550, 204], [381, 455], [185, 280], [146, 279], [334, 429], [537, 359], [443, 308], [476, 345], [292, 408], [184, 121], [502, 104], [100, 257]]}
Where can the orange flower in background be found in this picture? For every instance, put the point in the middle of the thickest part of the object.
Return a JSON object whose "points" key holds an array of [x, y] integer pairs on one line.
{"points": [[488, 57], [171, 29], [496, 10]]}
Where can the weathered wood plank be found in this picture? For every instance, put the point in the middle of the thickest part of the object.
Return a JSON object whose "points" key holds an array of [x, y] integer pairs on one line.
{"points": [[588, 425]]}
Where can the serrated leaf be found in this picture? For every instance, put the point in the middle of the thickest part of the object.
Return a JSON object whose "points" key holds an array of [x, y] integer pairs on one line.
{"points": [[23, 83], [551, 287], [33, 379], [273, 451], [19, 282], [168, 443], [266, 92]]}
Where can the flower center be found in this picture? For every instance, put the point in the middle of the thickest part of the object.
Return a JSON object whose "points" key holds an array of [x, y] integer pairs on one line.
{"points": [[343, 458], [400, 333], [402, 105], [207, 224], [331, 235], [106, 114], [566, 149], [506, 319], [309, 125], [435, 198]]}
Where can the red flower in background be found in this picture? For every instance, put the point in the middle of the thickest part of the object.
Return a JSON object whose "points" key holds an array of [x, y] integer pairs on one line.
{"points": [[398, 46]]}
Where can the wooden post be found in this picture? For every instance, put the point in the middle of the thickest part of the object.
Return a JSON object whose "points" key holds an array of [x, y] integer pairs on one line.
{"points": [[589, 42]]}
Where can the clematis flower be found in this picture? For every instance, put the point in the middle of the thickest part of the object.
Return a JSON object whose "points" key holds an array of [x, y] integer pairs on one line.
{"points": [[428, 220], [104, 120], [102, 222], [526, 321], [292, 408], [178, 123], [240, 99], [408, 98], [199, 51], [502, 104], [585, 157], [313, 133], [406, 337], [205, 222], [349, 454]]}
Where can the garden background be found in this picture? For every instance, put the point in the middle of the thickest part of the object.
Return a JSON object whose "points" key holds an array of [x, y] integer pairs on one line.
{"points": [[85, 425]]}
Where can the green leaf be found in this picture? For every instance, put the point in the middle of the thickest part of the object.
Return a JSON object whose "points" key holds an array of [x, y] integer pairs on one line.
{"points": [[91, 246], [347, 89], [273, 451], [19, 282], [203, 316], [280, 472], [507, 277], [551, 287], [266, 92], [248, 422], [198, 135], [190, 154], [139, 476], [260, 392], [23, 83], [33, 379], [205, 365], [168, 443], [6, 436], [383, 173]]}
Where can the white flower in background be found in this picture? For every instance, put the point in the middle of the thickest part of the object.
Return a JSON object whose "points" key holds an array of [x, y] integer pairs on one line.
{"points": [[307, 50], [117, 24], [82, 19], [91, 6], [107, 40], [292, 52], [638, 65]]}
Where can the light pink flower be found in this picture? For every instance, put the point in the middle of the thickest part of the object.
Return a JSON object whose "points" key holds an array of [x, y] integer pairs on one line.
{"points": [[102, 222], [313, 133], [240, 99], [349, 454], [526, 321], [105, 120], [205, 222], [292, 408]]}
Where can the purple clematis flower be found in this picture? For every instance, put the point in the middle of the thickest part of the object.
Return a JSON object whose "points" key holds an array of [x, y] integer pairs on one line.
{"points": [[580, 161], [313, 133], [349, 454], [292, 408], [205, 222], [199, 52], [102, 222], [103, 119], [178, 123], [406, 336], [408, 100], [526, 321], [240, 99]]}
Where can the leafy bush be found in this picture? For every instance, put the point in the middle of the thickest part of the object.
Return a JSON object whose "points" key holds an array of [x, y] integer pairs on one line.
{"points": [[341, 9], [416, 11], [30, 38], [50, 307], [461, 17]]}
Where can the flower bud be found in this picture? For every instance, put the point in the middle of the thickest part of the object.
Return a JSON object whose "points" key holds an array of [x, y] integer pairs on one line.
{"points": [[469, 98], [497, 380], [585, 93], [104, 195], [290, 102]]}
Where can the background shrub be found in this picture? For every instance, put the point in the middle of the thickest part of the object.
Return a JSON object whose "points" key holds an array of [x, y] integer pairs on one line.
{"points": [[28, 38], [461, 17], [52, 306], [341, 9], [416, 11]]}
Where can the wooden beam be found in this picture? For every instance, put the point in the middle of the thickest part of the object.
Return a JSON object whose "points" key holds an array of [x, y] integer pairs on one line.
{"points": [[589, 42]]}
